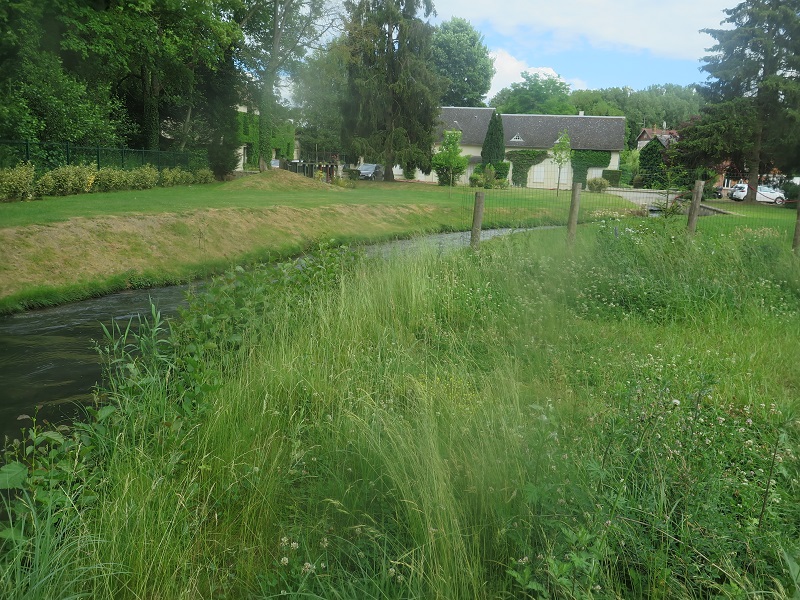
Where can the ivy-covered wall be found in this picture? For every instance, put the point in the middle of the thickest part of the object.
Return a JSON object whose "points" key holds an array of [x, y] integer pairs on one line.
{"points": [[583, 160], [282, 139], [523, 160]]}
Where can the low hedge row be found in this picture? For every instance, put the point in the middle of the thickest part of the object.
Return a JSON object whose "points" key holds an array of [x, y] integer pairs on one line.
{"points": [[21, 183]]}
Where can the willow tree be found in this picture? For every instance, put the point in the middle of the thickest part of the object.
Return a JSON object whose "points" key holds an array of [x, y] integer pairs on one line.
{"points": [[757, 58], [392, 103]]}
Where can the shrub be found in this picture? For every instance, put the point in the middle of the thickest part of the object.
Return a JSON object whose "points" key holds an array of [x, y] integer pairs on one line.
{"points": [[501, 169], [111, 179], [175, 176], [144, 178], [792, 190], [598, 185], [69, 180], [17, 183], [351, 174], [204, 175], [613, 176]]}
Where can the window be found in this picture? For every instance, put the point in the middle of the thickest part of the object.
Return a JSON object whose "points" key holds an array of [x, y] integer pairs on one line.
{"points": [[517, 138]]}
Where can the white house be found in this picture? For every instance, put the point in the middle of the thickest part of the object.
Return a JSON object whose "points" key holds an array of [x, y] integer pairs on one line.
{"points": [[535, 132]]}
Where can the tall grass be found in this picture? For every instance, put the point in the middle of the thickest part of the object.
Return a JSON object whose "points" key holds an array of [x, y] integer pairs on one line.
{"points": [[610, 420]]}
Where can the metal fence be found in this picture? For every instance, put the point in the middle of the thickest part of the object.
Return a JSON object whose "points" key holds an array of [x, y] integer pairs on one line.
{"points": [[542, 202], [51, 155]]}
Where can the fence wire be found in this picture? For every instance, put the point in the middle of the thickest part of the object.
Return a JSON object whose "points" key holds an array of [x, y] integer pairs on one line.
{"points": [[543, 205]]}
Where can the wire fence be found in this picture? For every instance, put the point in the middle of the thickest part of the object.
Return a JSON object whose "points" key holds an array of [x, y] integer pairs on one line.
{"points": [[720, 210], [49, 156]]}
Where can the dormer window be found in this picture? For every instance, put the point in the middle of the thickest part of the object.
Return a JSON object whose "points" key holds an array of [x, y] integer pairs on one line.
{"points": [[517, 138]]}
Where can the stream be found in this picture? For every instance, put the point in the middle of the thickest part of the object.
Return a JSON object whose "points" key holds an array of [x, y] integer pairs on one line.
{"points": [[48, 365]]}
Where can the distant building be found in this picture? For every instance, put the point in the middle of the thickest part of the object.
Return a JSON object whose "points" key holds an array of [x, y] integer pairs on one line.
{"points": [[534, 132], [665, 136]]}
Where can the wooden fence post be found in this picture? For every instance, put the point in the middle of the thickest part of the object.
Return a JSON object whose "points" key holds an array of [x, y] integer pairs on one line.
{"points": [[796, 241], [477, 222], [574, 207], [694, 209]]}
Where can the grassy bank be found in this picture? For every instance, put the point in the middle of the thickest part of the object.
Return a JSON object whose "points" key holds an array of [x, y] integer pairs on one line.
{"points": [[618, 420], [62, 249]]}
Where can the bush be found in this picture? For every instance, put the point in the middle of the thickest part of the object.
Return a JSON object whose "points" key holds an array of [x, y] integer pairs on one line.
{"points": [[110, 179], [486, 177], [598, 185], [613, 176], [67, 180], [17, 183], [501, 169], [204, 175], [143, 178], [175, 176], [351, 174], [792, 190]]}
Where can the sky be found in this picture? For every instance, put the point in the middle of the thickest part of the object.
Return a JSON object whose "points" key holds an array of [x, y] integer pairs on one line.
{"points": [[593, 44]]}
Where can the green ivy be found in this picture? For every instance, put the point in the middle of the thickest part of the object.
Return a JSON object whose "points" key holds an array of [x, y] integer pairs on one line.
{"points": [[523, 160], [583, 160], [248, 128]]}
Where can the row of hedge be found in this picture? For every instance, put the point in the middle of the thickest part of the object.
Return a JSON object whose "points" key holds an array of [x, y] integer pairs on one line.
{"points": [[21, 182]]}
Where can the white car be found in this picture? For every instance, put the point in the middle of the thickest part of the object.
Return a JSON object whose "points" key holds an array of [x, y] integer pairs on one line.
{"points": [[764, 193]]}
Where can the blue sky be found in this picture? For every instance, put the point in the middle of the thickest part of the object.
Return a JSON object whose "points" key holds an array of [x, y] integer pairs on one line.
{"points": [[593, 44]]}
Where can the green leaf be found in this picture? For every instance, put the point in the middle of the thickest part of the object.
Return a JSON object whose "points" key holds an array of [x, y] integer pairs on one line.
{"points": [[13, 476], [105, 412]]}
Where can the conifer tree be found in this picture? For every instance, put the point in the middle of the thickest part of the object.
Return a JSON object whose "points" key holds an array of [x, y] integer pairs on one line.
{"points": [[494, 146], [392, 102]]}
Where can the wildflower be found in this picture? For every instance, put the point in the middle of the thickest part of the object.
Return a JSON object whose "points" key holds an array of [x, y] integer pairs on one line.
{"points": [[284, 541], [308, 567], [285, 561], [392, 572], [323, 542], [295, 545]]}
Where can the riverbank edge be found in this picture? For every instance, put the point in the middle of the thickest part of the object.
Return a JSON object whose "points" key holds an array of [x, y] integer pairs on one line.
{"points": [[42, 295]]}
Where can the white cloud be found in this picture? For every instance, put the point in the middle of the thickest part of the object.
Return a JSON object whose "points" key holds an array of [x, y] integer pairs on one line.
{"points": [[668, 29], [509, 69]]}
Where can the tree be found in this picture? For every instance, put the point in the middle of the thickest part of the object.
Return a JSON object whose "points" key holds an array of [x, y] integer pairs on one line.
{"points": [[392, 102], [652, 165], [536, 95], [460, 56], [494, 146], [757, 59], [277, 36], [719, 138], [562, 153], [448, 162], [319, 91]]}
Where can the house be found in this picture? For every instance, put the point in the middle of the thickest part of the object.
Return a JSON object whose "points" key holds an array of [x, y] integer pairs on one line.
{"points": [[664, 135], [535, 132]]}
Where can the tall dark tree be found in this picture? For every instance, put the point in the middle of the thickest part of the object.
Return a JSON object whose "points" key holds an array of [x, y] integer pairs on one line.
{"points": [[461, 57], [392, 104], [757, 58], [494, 145]]}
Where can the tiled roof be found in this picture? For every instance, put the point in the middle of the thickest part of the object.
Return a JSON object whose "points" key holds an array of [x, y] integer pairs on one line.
{"points": [[537, 131]]}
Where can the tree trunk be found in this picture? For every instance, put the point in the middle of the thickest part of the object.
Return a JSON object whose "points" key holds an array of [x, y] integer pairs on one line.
{"points": [[265, 127], [151, 129], [754, 166]]}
